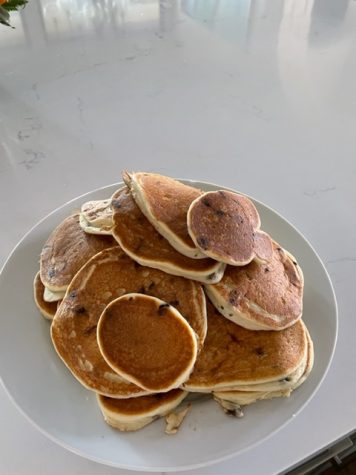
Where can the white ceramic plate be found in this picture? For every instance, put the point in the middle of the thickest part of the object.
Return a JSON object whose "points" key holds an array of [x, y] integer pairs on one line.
{"points": [[45, 391]]}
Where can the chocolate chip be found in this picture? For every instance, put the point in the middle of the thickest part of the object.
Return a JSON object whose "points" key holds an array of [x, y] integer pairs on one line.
{"points": [[285, 380], [279, 248], [259, 351], [116, 204], [230, 314], [152, 284], [206, 202], [219, 212], [130, 299], [142, 290], [162, 308], [90, 329], [203, 242], [79, 309], [212, 276], [234, 338], [72, 294], [234, 297], [51, 273], [295, 263], [222, 308], [266, 269], [221, 193]]}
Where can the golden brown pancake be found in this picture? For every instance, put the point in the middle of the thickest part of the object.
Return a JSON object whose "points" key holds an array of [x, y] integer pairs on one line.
{"points": [[261, 296], [105, 277], [140, 240], [147, 342], [234, 357], [240, 397], [225, 226], [165, 203], [47, 309], [135, 413], [66, 250], [96, 217]]}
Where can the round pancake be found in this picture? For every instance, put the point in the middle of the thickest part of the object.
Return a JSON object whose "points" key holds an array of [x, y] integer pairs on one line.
{"points": [[135, 413], [233, 356], [147, 341], [225, 226], [261, 296], [140, 240], [165, 203], [47, 309], [66, 250], [108, 275], [96, 217], [285, 385]]}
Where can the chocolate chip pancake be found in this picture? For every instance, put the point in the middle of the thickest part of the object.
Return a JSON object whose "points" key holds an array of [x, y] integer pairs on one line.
{"points": [[140, 240], [96, 217], [47, 309], [225, 226], [66, 250], [233, 357], [135, 413], [261, 296], [229, 400], [165, 203], [107, 276], [147, 342]]}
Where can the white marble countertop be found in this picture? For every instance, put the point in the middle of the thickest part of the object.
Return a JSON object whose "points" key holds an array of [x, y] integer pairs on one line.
{"points": [[257, 95]]}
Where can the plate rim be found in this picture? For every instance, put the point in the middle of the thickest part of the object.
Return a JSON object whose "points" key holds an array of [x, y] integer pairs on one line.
{"points": [[221, 458]]}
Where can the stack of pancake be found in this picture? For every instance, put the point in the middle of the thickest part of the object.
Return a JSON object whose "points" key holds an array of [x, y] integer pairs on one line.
{"points": [[163, 290]]}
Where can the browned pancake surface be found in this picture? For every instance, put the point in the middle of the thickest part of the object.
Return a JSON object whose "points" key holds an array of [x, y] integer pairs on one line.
{"points": [[169, 201], [147, 341], [276, 287], [105, 277], [224, 226], [136, 234], [232, 353], [140, 405], [48, 309], [66, 250]]}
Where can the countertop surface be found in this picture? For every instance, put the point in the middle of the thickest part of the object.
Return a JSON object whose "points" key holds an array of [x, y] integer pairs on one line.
{"points": [[255, 95]]}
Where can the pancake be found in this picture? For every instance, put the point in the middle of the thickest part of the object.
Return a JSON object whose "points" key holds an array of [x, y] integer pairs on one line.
{"points": [[230, 400], [135, 413], [47, 309], [140, 240], [51, 297], [107, 276], [225, 226], [233, 357], [261, 296], [66, 250], [96, 217], [147, 342], [165, 203]]}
